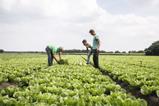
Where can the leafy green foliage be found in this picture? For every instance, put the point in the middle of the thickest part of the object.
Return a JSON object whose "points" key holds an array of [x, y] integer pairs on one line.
{"points": [[62, 61], [141, 72], [70, 85]]}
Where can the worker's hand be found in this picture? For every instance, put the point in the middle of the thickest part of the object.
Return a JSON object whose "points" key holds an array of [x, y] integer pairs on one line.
{"points": [[55, 58], [58, 62], [60, 55]]}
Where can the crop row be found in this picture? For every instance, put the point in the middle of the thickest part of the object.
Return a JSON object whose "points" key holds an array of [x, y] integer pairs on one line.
{"points": [[150, 62], [145, 78], [75, 84]]}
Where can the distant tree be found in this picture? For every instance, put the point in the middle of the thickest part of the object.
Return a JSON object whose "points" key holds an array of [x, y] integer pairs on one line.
{"points": [[130, 51], [117, 51], [1, 50], [153, 49], [111, 52], [134, 51], [140, 51], [102, 51], [123, 51], [80, 51]]}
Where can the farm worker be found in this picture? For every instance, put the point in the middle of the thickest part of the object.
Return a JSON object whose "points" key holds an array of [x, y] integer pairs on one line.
{"points": [[51, 52], [88, 46], [95, 48]]}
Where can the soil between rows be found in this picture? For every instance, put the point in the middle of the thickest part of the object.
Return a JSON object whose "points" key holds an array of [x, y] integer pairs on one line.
{"points": [[7, 84]]}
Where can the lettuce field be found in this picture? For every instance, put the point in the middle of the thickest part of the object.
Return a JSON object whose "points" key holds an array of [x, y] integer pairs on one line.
{"points": [[26, 80]]}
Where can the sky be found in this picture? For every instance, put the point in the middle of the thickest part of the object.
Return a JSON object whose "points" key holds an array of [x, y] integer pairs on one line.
{"points": [[30, 25]]}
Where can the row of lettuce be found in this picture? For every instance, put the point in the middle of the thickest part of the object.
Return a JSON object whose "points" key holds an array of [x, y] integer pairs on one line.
{"points": [[70, 85], [141, 72]]}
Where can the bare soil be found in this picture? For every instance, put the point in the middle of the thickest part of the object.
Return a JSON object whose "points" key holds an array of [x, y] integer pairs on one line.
{"points": [[7, 84]]}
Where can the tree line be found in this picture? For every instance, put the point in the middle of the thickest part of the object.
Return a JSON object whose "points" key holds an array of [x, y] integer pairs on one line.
{"points": [[153, 49], [73, 51]]}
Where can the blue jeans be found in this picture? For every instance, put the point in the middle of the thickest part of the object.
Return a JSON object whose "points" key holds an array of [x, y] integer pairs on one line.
{"points": [[88, 56], [50, 56]]}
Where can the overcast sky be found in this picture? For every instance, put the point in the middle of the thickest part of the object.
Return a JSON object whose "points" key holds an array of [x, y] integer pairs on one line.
{"points": [[29, 25]]}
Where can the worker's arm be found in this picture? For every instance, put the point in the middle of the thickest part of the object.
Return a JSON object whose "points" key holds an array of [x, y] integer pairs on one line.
{"points": [[60, 55], [98, 43], [87, 48], [55, 58]]}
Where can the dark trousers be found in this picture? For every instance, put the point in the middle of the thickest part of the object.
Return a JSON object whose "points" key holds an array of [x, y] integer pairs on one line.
{"points": [[96, 58], [50, 56]]}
